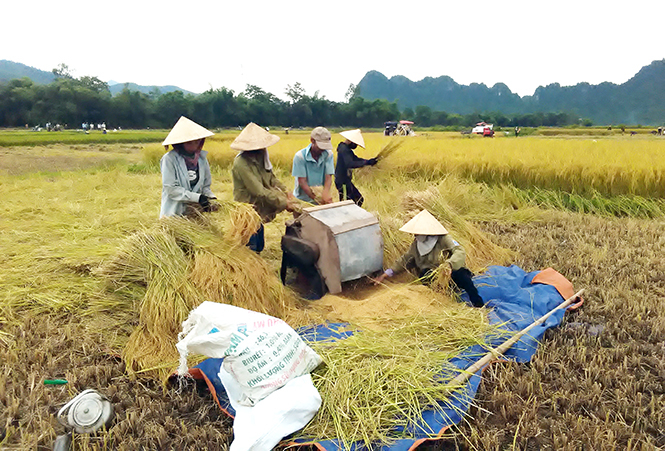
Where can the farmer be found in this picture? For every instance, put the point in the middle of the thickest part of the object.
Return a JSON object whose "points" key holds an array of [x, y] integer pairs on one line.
{"points": [[313, 167], [254, 181], [185, 170], [432, 247], [346, 162]]}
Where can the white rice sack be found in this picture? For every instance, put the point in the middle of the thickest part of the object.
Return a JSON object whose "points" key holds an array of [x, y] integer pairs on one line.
{"points": [[267, 358]]}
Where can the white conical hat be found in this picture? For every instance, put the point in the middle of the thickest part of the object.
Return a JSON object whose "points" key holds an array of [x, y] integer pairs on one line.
{"points": [[253, 137], [424, 224], [354, 136], [186, 130]]}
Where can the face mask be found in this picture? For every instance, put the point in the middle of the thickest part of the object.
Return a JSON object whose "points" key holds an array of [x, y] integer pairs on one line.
{"points": [[353, 146], [425, 243]]}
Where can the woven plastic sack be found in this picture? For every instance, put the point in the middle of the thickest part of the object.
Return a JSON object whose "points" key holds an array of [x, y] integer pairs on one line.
{"points": [[261, 352]]}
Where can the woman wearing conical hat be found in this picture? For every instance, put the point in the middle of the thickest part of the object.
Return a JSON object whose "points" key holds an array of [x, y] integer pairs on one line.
{"points": [[347, 160], [432, 247], [186, 175], [254, 181]]}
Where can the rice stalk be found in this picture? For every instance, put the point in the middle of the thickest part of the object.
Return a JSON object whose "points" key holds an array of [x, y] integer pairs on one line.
{"points": [[243, 222], [241, 278], [180, 263], [376, 384], [389, 148], [439, 280]]}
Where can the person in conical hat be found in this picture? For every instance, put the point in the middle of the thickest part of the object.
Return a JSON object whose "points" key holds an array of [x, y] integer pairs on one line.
{"points": [[432, 247], [347, 160], [185, 170], [254, 181]]}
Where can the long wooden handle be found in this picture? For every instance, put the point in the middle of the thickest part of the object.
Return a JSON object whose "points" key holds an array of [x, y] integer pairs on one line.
{"points": [[499, 350]]}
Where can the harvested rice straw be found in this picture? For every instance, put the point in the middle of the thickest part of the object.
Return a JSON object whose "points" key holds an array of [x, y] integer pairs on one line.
{"points": [[181, 263], [155, 258], [241, 278], [439, 280], [389, 148], [243, 222], [376, 381]]}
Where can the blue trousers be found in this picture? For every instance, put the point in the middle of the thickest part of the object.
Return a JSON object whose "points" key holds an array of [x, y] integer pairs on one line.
{"points": [[257, 241]]}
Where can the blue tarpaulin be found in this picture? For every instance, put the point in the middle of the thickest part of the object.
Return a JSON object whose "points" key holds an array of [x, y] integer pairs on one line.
{"points": [[513, 301]]}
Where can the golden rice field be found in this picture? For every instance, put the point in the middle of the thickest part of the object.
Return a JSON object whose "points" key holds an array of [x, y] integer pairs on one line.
{"points": [[597, 382], [612, 166]]}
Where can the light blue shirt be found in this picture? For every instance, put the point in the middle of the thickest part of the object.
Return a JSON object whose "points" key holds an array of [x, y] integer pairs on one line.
{"points": [[176, 189], [304, 165]]}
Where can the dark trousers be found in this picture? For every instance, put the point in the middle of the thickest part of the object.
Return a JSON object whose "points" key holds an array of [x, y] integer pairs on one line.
{"points": [[349, 191], [462, 278], [315, 285], [257, 241]]}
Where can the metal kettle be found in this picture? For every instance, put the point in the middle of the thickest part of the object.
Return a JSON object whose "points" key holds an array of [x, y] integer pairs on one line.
{"points": [[87, 412]]}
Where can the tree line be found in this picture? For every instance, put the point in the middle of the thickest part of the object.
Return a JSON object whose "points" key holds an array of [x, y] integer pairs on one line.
{"points": [[71, 101]]}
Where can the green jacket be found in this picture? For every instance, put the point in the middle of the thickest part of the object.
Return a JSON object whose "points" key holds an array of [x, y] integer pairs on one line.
{"points": [[445, 250], [254, 184]]}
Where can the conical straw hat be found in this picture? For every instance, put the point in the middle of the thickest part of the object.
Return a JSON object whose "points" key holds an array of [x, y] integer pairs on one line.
{"points": [[424, 224], [354, 136], [253, 137], [186, 130]]}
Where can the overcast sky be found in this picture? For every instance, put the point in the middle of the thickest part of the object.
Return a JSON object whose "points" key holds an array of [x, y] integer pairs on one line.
{"points": [[328, 45]]}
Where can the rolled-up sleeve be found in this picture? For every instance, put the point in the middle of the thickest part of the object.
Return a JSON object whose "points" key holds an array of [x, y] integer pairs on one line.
{"points": [[402, 263], [457, 258]]}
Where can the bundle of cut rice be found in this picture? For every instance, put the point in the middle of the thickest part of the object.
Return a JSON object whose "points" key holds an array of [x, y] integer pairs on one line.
{"points": [[181, 263]]}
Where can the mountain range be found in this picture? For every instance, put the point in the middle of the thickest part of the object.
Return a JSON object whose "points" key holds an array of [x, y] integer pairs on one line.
{"points": [[10, 70], [640, 100]]}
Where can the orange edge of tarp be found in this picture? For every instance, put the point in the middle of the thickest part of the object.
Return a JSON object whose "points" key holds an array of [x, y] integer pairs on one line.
{"points": [[196, 373], [550, 276]]}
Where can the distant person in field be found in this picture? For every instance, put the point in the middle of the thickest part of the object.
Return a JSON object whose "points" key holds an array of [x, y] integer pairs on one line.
{"points": [[254, 182], [186, 175], [347, 160], [517, 131], [432, 248], [313, 168]]}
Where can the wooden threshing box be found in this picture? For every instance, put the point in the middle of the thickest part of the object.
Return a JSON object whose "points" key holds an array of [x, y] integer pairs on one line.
{"points": [[349, 239]]}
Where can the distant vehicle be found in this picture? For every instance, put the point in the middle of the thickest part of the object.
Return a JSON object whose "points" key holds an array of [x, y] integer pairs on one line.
{"points": [[483, 128], [401, 128]]}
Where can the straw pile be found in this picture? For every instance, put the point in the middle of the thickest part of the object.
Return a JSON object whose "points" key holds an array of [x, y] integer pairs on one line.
{"points": [[181, 263], [384, 376]]}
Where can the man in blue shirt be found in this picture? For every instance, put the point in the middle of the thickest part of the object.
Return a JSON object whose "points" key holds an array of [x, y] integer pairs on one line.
{"points": [[313, 167]]}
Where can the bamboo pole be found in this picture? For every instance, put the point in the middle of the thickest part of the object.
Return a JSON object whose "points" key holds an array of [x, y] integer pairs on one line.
{"points": [[499, 350]]}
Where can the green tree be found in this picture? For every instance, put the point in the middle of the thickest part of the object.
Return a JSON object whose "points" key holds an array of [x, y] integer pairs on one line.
{"points": [[423, 116], [62, 71]]}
